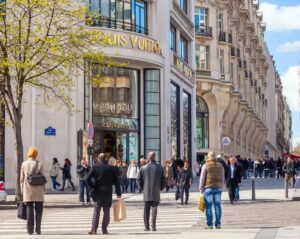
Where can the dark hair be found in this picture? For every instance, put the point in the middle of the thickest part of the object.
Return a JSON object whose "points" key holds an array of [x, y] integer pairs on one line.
{"points": [[55, 161], [67, 161]]}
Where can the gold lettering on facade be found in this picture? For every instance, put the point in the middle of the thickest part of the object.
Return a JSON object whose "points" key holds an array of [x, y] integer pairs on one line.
{"points": [[183, 68], [130, 41]]}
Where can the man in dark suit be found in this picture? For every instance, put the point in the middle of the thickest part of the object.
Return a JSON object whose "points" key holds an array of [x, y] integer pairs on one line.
{"points": [[101, 179], [233, 178], [151, 181]]}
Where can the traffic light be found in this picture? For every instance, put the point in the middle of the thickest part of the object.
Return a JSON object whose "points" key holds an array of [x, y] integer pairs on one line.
{"points": [[90, 150]]}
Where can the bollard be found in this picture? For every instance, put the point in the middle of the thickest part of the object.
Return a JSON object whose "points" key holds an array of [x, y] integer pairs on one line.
{"points": [[286, 187], [253, 188]]}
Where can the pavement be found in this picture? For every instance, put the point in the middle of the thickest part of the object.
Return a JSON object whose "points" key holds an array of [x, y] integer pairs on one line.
{"points": [[271, 216]]}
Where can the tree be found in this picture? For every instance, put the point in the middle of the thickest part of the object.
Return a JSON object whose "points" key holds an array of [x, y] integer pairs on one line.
{"points": [[40, 42]]}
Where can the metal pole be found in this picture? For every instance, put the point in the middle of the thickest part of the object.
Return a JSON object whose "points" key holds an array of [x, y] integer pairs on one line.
{"points": [[286, 186], [253, 188]]}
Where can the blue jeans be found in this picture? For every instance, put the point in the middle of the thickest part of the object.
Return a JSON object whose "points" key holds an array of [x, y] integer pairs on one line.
{"points": [[237, 193], [132, 183], [213, 196], [83, 185], [54, 182]]}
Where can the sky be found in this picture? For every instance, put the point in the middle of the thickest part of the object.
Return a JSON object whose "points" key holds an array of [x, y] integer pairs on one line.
{"points": [[283, 39]]}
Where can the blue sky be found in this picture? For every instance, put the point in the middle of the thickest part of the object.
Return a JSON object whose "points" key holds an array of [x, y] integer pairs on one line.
{"points": [[283, 39]]}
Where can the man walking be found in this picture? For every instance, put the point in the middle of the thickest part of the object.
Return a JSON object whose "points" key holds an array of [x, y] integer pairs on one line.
{"points": [[101, 179], [210, 185], [151, 181], [83, 169], [233, 178]]}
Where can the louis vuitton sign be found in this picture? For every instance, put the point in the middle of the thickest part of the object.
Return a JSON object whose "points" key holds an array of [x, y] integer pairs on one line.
{"points": [[128, 41]]}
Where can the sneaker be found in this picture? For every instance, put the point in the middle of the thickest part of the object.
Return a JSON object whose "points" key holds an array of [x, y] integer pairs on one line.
{"points": [[53, 189], [154, 229], [208, 227], [105, 232], [218, 227], [147, 229]]}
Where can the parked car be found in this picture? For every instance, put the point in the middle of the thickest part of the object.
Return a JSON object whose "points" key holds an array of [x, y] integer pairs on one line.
{"points": [[3, 194]]}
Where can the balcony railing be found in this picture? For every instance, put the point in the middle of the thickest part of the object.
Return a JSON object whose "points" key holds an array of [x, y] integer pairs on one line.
{"points": [[118, 24], [222, 36], [204, 31]]}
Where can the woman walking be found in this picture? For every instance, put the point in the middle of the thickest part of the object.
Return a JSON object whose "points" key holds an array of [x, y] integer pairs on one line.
{"points": [[289, 171], [54, 173], [132, 173], [66, 170], [33, 195], [168, 171]]}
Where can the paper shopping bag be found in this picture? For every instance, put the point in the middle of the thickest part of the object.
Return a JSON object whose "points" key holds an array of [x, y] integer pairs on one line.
{"points": [[119, 210], [201, 203]]}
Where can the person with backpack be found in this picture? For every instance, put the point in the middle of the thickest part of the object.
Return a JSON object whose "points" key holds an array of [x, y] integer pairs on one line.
{"points": [[100, 180]]}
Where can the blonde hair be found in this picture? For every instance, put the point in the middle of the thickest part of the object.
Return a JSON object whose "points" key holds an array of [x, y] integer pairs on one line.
{"points": [[32, 152]]}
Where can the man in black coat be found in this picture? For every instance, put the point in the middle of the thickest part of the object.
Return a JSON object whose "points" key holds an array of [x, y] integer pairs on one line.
{"points": [[151, 180], [233, 178], [221, 161], [101, 179]]}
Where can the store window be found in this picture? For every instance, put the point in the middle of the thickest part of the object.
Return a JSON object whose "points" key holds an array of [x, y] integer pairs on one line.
{"points": [[130, 15], [175, 121], [187, 127], [202, 57], [172, 38], [202, 127], [183, 48]]}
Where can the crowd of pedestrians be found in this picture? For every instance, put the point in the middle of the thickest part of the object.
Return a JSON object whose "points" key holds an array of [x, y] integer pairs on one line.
{"points": [[107, 175]]}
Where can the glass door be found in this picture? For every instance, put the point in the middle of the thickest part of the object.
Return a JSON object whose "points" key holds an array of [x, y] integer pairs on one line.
{"points": [[122, 146]]}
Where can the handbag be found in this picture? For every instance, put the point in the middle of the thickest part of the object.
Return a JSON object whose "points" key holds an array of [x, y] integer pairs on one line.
{"points": [[119, 210], [21, 213], [36, 179], [201, 203]]}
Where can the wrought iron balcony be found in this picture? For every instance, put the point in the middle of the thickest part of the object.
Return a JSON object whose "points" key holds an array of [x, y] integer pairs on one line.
{"points": [[222, 36], [204, 31], [118, 24]]}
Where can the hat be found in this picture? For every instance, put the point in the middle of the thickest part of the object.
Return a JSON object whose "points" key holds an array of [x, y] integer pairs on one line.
{"points": [[219, 156]]}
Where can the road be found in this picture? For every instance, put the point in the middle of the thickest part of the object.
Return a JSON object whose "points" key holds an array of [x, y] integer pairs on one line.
{"points": [[270, 217]]}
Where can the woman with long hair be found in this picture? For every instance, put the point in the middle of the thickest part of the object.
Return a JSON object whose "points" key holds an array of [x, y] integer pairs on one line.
{"points": [[54, 173], [66, 170]]}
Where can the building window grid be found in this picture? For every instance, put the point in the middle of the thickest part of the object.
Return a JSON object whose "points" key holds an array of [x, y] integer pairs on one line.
{"points": [[130, 15], [183, 48], [183, 5], [202, 57], [222, 68], [202, 124], [173, 38], [175, 121]]}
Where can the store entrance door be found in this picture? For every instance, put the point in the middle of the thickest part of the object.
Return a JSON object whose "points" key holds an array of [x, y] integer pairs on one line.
{"points": [[122, 145]]}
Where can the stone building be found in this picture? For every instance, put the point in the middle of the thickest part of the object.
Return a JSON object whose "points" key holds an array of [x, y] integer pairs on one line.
{"points": [[235, 77]]}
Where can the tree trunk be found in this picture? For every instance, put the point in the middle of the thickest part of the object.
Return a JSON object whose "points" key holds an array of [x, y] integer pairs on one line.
{"points": [[20, 155]]}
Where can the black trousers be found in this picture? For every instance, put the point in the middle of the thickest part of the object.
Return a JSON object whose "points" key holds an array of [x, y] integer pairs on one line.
{"points": [[185, 190], [38, 208], [147, 208], [70, 181], [96, 216], [231, 189]]}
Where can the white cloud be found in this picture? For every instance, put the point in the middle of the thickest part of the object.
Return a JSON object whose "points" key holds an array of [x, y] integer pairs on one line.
{"points": [[292, 46], [290, 83], [281, 18], [296, 141]]}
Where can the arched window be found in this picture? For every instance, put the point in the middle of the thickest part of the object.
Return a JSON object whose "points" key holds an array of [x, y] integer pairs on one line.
{"points": [[202, 127]]}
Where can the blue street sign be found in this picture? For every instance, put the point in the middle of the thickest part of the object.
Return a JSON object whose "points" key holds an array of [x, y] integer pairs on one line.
{"points": [[50, 131]]}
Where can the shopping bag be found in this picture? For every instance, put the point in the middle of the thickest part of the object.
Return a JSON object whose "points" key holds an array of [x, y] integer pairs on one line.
{"points": [[119, 210], [22, 211], [201, 203]]}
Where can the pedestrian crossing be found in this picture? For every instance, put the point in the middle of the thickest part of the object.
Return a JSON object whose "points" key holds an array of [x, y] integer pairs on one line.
{"points": [[77, 221]]}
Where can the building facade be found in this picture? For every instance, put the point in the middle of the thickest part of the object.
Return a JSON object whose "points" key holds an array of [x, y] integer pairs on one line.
{"points": [[148, 105], [235, 77]]}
